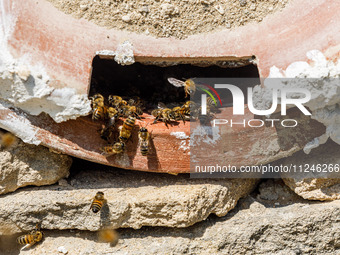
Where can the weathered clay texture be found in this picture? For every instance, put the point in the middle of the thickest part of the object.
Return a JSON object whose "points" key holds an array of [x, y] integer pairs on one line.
{"points": [[255, 227], [314, 185], [26, 164], [133, 200]]}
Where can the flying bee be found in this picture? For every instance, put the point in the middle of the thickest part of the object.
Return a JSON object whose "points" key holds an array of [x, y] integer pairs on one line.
{"points": [[189, 85], [116, 148], [144, 137], [8, 140], [97, 202], [163, 113], [116, 101], [107, 131], [108, 236], [31, 238]]}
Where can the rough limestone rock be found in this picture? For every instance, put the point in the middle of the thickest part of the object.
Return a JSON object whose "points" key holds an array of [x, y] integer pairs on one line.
{"points": [[134, 199], [314, 185], [253, 227], [24, 165]]}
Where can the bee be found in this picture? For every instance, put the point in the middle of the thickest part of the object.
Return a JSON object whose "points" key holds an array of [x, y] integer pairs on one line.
{"points": [[116, 148], [99, 113], [97, 202], [8, 140], [116, 101], [124, 135], [189, 85], [98, 107], [128, 110], [204, 119], [107, 131], [187, 108], [97, 101], [129, 123], [135, 101], [108, 236], [163, 113], [31, 238], [177, 111], [144, 137]]}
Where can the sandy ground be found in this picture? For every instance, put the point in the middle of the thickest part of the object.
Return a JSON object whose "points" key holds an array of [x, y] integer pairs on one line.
{"points": [[165, 18]]}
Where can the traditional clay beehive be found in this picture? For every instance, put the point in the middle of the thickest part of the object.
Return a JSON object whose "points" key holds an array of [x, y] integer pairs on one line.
{"points": [[65, 47]]}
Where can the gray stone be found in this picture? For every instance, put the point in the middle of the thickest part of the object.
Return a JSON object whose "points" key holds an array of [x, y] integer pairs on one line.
{"points": [[134, 199], [300, 228], [24, 164], [315, 184]]}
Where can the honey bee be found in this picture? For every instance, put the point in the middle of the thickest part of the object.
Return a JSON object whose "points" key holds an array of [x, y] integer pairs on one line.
{"points": [[189, 85], [31, 238], [135, 101], [177, 111], [116, 148], [97, 101], [204, 119], [163, 113], [108, 129], [144, 137], [8, 140], [128, 110], [97, 202], [129, 123], [116, 101], [108, 236], [124, 135], [99, 113], [98, 107], [188, 107]]}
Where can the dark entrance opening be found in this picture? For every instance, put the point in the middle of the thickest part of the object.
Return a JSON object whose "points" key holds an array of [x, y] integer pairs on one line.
{"points": [[148, 80]]}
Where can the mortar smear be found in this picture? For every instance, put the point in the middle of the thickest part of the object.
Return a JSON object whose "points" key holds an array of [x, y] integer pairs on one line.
{"points": [[165, 18]]}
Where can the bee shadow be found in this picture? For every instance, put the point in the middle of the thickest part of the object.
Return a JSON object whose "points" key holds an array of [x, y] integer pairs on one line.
{"points": [[105, 215], [153, 161]]}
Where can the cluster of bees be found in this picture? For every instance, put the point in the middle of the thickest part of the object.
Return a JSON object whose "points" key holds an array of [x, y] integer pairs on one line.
{"points": [[105, 235], [116, 107]]}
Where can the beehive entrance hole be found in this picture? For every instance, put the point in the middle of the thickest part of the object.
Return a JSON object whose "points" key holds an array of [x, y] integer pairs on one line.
{"points": [[147, 78]]}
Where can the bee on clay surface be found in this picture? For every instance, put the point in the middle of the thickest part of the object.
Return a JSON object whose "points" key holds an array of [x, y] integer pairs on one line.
{"points": [[187, 108], [204, 118], [99, 113], [144, 136], [8, 140], [116, 101], [31, 238], [97, 101], [108, 236], [177, 111], [164, 114], [128, 110], [98, 107], [126, 129], [97, 202], [189, 85], [108, 130], [116, 148]]}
